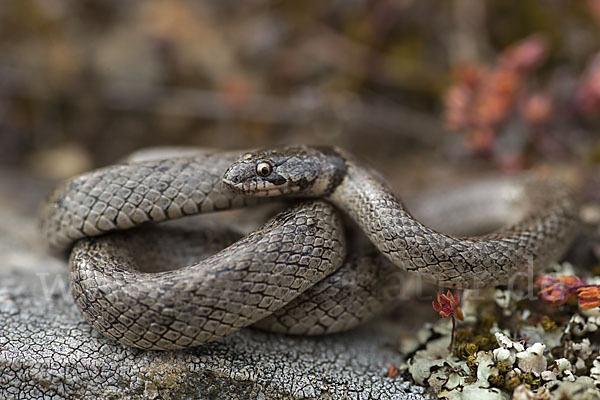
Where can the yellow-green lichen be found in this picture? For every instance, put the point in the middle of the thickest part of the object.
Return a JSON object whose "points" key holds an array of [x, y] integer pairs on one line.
{"points": [[470, 340], [508, 380], [548, 324], [503, 367]]}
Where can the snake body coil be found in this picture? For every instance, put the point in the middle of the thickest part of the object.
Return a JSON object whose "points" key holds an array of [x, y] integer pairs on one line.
{"points": [[279, 277]]}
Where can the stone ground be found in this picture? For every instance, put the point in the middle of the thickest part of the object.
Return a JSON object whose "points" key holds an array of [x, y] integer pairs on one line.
{"points": [[47, 350]]}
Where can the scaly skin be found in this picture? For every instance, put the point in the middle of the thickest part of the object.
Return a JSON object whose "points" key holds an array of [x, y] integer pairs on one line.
{"points": [[542, 234], [280, 277]]}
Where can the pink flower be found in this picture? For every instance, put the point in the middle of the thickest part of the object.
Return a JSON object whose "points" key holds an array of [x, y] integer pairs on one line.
{"points": [[526, 54], [587, 96], [537, 108], [559, 290]]}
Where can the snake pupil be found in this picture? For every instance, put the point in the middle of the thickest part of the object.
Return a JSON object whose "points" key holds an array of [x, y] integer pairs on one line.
{"points": [[264, 169]]}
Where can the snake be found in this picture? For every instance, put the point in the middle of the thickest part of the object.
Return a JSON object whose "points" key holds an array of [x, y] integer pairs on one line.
{"points": [[141, 276]]}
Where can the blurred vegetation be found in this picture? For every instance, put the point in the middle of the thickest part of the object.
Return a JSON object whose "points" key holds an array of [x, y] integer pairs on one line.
{"points": [[84, 82]]}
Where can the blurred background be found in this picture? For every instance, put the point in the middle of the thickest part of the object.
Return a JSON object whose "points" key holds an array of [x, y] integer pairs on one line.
{"points": [[420, 89]]}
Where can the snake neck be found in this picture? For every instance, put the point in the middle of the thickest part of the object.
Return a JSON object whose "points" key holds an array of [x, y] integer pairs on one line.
{"points": [[494, 259]]}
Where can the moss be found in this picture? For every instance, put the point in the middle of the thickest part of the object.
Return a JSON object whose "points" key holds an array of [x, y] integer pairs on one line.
{"points": [[485, 342], [548, 324], [508, 382], [462, 335], [529, 378], [496, 381], [487, 322], [502, 380], [470, 340], [503, 367], [465, 349], [472, 364], [511, 383]]}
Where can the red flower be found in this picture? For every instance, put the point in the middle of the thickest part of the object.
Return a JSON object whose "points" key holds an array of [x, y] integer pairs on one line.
{"points": [[447, 305], [483, 98], [559, 290]]}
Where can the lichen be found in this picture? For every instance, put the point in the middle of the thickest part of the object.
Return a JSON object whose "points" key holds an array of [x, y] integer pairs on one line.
{"points": [[548, 324], [509, 348]]}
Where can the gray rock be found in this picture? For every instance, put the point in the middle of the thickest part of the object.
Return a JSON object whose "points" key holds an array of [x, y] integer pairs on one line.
{"points": [[47, 350]]}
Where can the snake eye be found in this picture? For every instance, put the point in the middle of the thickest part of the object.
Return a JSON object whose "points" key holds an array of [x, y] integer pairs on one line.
{"points": [[264, 169]]}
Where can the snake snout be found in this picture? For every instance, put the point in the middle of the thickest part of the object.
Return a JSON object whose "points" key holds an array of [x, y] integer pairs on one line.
{"points": [[238, 174]]}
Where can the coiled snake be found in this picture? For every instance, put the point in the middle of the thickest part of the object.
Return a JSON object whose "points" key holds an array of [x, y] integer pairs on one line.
{"points": [[288, 276]]}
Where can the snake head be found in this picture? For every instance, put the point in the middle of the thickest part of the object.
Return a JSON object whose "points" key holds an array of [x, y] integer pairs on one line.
{"points": [[302, 171]]}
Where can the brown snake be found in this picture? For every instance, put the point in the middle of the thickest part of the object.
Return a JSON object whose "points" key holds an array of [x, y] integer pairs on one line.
{"points": [[288, 276]]}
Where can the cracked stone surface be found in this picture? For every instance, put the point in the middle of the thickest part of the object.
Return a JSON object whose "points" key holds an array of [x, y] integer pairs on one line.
{"points": [[47, 350]]}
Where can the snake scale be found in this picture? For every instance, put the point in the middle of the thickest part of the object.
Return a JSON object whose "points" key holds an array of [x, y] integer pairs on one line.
{"points": [[293, 274]]}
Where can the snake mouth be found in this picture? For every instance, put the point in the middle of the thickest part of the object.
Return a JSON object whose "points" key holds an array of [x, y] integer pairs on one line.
{"points": [[236, 186], [249, 188], [255, 189]]}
